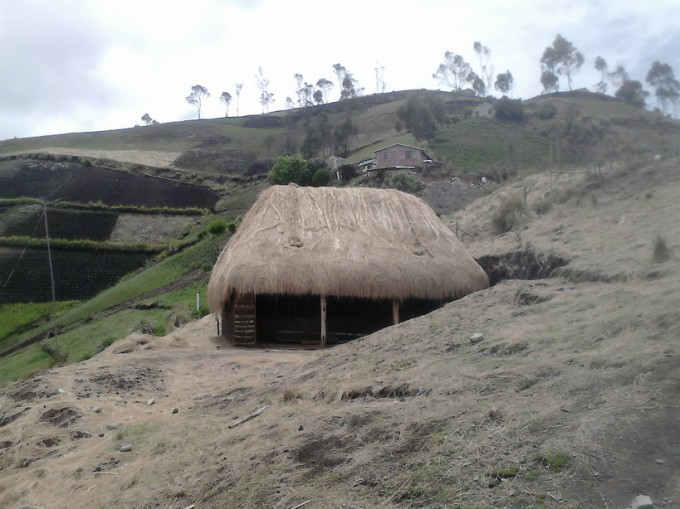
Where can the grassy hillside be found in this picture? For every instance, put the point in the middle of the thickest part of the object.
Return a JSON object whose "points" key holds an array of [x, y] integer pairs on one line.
{"points": [[567, 401], [221, 163]]}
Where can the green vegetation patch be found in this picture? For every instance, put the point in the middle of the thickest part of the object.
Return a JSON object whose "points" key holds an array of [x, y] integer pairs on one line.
{"points": [[15, 318], [481, 144], [553, 459]]}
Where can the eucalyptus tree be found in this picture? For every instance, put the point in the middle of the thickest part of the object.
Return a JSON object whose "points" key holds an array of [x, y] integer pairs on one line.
{"points": [[198, 94]]}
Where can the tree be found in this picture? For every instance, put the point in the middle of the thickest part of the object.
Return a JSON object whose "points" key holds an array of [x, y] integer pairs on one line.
{"points": [[266, 97], [238, 87], [421, 117], [318, 97], [561, 59], [631, 92], [618, 77], [324, 86], [511, 110], [380, 85], [321, 177], [196, 97], [226, 99], [318, 137], [485, 66], [290, 169], [349, 86], [453, 72], [504, 83], [667, 87], [550, 81], [304, 91], [601, 67], [146, 118], [342, 135], [477, 84], [290, 104]]}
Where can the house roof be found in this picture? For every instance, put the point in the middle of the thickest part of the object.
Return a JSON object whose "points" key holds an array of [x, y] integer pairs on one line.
{"points": [[405, 146], [351, 242]]}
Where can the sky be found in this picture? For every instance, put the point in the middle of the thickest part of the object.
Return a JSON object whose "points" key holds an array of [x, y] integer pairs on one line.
{"points": [[91, 65]]}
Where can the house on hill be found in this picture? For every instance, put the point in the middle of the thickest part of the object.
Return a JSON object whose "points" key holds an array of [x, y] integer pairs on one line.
{"points": [[483, 110], [326, 265], [399, 156]]}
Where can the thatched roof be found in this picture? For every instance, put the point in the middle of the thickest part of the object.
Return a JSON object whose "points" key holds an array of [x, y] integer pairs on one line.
{"points": [[352, 242]]}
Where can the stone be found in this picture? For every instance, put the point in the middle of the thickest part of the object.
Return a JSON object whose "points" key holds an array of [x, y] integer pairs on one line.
{"points": [[642, 502], [477, 337], [112, 425], [175, 410], [151, 402], [126, 448]]}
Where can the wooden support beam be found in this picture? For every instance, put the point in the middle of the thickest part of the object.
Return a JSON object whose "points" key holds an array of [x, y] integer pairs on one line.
{"points": [[323, 320], [395, 311]]}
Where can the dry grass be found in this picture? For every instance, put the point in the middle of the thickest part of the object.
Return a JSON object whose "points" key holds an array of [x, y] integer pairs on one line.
{"points": [[356, 242], [412, 416]]}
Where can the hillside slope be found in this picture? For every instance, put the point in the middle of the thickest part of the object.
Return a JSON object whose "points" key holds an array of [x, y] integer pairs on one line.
{"points": [[569, 400]]}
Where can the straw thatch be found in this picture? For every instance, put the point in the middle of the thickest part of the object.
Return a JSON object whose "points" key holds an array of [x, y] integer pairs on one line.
{"points": [[351, 242]]}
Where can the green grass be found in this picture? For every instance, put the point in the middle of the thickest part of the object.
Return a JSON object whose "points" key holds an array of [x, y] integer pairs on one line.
{"points": [[98, 329], [553, 459], [169, 270], [24, 314], [482, 144], [23, 364]]}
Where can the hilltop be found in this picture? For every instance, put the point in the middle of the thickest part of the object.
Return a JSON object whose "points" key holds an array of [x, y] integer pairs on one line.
{"points": [[567, 401]]}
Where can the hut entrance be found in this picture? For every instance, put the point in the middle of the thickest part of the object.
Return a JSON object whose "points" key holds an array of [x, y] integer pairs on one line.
{"points": [[288, 319], [298, 319]]}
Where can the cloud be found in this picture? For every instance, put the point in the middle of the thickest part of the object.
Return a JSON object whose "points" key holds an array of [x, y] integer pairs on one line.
{"points": [[53, 54]]}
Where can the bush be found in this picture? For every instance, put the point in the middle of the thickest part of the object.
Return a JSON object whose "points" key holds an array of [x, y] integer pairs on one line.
{"points": [[510, 110], [509, 214], [217, 227], [542, 206], [554, 460], [57, 357], [321, 177], [546, 111], [290, 169], [403, 182], [661, 251]]}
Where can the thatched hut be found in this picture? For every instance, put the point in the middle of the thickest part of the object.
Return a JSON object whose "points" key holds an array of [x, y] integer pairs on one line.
{"points": [[325, 265]]}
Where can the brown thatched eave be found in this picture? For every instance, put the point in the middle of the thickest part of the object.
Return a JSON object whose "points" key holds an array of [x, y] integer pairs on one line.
{"points": [[350, 242]]}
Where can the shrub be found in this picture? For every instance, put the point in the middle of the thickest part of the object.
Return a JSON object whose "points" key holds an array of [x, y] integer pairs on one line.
{"points": [[403, 182], [542, 206], [510, 110], [217, 227], [509, 214], [290, 169], [554, 460], [57, 357], [661, 251], [321, 177], [546, 111]]}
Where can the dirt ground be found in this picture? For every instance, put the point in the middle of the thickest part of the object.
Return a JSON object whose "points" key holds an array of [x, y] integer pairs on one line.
{"points": [[568, 400], [147, 157]]}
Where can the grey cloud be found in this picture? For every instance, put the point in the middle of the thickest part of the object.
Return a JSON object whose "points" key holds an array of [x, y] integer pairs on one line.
{"points": [[53, 50]]}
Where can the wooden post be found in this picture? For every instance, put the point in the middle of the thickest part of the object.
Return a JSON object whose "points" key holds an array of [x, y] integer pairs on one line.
{"points": [[395, 311], [323, 320]]}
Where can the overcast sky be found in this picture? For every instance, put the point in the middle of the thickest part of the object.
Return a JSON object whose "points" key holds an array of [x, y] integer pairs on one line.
{"points": [[87, 65]]}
